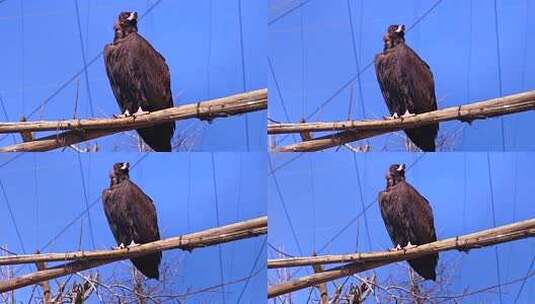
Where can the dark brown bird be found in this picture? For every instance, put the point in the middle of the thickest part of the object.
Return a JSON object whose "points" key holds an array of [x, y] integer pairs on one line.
{"points": [[132, 218], [408, 218], [139, 78], [407, 85]]}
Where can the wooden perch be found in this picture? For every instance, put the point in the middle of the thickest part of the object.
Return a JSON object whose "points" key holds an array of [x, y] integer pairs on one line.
{"points": [[91, 259], [365, 261], [353, 130], [80, 130]]}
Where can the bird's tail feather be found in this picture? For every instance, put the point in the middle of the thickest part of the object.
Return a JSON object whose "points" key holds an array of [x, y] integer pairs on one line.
{"points": [[424, 137], [425, 266], [158, 137], [149, 265]]}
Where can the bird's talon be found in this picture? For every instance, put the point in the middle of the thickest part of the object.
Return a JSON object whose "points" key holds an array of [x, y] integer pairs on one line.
{"points": [[409, 246], [141, 112], [407, 114], [397, 248]]}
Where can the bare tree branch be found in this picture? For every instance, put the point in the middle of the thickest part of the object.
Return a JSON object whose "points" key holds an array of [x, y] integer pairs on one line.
{"points": [[353, 130], [92, 259], [86, 129], [366, 261]]}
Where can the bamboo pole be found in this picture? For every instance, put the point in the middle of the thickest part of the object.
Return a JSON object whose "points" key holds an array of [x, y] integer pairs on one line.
{"points": [[80, 130], [366, 261], [91, 259], [353, 130]]}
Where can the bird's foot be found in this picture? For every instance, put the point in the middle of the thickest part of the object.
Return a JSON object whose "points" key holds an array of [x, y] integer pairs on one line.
{"points": [[397, 248], [140, 112], [409, 246], [121, 246], [124, 115], [407, 114], [394, 116], [132, 244]]}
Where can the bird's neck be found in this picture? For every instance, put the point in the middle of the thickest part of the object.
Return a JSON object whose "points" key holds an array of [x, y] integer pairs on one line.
{"points": [[390, 44], [115, 180], [123, 33]]}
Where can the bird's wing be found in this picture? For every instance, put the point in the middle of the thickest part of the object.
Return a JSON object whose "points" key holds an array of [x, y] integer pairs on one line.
{"points": [[383, 203], [421, 218], [388, 82], [152, 72], [391, 206], [143, 213], [117, 215], [418, 78]]}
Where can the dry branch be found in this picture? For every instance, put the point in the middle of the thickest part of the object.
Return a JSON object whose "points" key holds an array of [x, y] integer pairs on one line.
{"points": [[353, 130], [80, 130], [365, 261], [90, 259]]}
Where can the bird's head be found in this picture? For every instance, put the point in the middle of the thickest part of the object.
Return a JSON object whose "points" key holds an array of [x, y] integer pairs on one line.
{"points": [[395, 34], [126, 23], [119, 172], [395, 174]]}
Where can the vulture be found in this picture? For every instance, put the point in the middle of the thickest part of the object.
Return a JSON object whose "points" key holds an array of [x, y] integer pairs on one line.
{"points": [[407, 85], [132, 218], [140, 80], [408, 218]]}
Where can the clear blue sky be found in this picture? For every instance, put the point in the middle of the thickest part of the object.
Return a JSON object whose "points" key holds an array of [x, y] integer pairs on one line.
{"points": [[45, 193], [311, 51], [321, 194], [41, 50]]}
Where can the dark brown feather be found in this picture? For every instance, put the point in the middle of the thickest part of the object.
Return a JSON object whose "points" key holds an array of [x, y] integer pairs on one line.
{"points": [[408, 217], [139, 77], [406, 83], [131, 215]]}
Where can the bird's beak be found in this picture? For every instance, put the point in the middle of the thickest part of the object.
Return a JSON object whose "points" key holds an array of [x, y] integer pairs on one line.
{"points": [[133, 16], [125, 166], [401, 167], [400, 28]]}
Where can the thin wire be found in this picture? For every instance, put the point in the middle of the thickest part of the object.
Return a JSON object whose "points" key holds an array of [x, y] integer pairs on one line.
{"points": [[303, 61], [246, 117], [283, 202], [82, 70], [498, 54], [286, 163], [209, 61], [280, 251], [357, 61], [527, 38], [188, 198], [81, 214], [36, 196], [469, 63], [279, 93], [525, 279], [86, 200], [262, 250], [494, 225], [219, 249], [83, 58], [365, 209], [11, 159], [288, 12], [23, 57], [8, 204], [313, 193], [238, 206], [353, 78], [7, 118], [357, 173]]}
